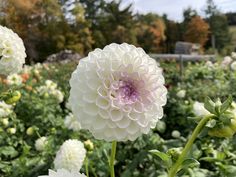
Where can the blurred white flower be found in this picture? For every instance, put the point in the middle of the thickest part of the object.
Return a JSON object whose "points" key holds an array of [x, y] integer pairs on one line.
{"points": [[199, 109], [70, 156], [50, 85], [226, 61], [181, 93], [233, 55], [50, 88], [41, 143], [175, 134], [117, 93], [63, 173], [72, 123], [26, 69], [5, 109], [14, 79], [58, 95], [38, 66], [233, 66], [209, 64], [12, 52]]}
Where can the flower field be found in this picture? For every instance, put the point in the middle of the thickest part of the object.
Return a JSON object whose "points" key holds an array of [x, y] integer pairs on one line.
{"points": [[33, 129]]}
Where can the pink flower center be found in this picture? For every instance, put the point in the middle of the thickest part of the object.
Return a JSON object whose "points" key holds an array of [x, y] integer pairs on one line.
{"points": [[126, 92]]}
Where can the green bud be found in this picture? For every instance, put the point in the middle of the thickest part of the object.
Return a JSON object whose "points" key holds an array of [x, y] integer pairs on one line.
{"points": [[5, 122], [174, 153], [13, 97], [89, 145], [30, 131], [11, 130]]}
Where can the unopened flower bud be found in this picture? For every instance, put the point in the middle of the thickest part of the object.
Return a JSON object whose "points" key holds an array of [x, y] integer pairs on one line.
{"points": [[13, 97], [174, 153], [5, 122], [11, 130], [175, 134], [30, 131], [89, 145]]}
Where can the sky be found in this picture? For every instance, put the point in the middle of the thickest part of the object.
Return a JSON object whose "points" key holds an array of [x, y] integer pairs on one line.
{"points": [[174, 8]]}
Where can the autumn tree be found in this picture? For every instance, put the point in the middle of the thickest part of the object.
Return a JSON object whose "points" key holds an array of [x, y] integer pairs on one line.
{"points": [[150, 32], [197, 31]]}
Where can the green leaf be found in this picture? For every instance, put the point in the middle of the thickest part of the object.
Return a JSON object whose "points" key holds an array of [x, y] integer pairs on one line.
{"points": [[226, 104], [163, 156], [8, 151], [190, 163], [210, 105]]}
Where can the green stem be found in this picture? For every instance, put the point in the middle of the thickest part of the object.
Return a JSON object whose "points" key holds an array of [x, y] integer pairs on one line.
{"points": [[174, 169], [112, 158], [87, 166]]}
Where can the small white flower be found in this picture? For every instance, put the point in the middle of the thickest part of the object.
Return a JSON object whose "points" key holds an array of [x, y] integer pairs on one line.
{"points": [[63, 173], [199, 109], [70, 156], [14, 79], [5, 109], [118, 92], [181, 93], [72, 123], [41, 143], [233, 66], [12, 52], [175, 134], [226, 61]]}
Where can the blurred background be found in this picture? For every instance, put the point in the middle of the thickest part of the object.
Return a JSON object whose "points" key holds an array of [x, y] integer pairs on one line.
{"points": [[50, 26]]}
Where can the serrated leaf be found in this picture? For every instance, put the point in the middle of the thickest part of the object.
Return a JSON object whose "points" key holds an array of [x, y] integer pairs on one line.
{"points": [[226, 104]]}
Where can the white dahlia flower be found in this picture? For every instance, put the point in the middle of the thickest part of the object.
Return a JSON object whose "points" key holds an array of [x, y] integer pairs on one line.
{"points": [[12, 52], [70, 156], [117, 93], [72, 123], [181, 93], [199, 109], [233, 66], [41, 143], [14, 79], [63, 173]]}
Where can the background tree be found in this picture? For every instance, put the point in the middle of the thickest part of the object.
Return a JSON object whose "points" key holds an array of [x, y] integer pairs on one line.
{"points": [[220, 36], [150, 32], [197, 31]]}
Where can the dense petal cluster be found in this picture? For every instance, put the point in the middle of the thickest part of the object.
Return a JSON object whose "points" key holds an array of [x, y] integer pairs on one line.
{"points": [[5, 109], [70, 156], [117, 93], [63, 173], [50, 89], [12, 52]]}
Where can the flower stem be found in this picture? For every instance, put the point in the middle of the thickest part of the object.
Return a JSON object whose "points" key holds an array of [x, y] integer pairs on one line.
{"points": [[174, 169], [112, 158], [87, 166]]}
